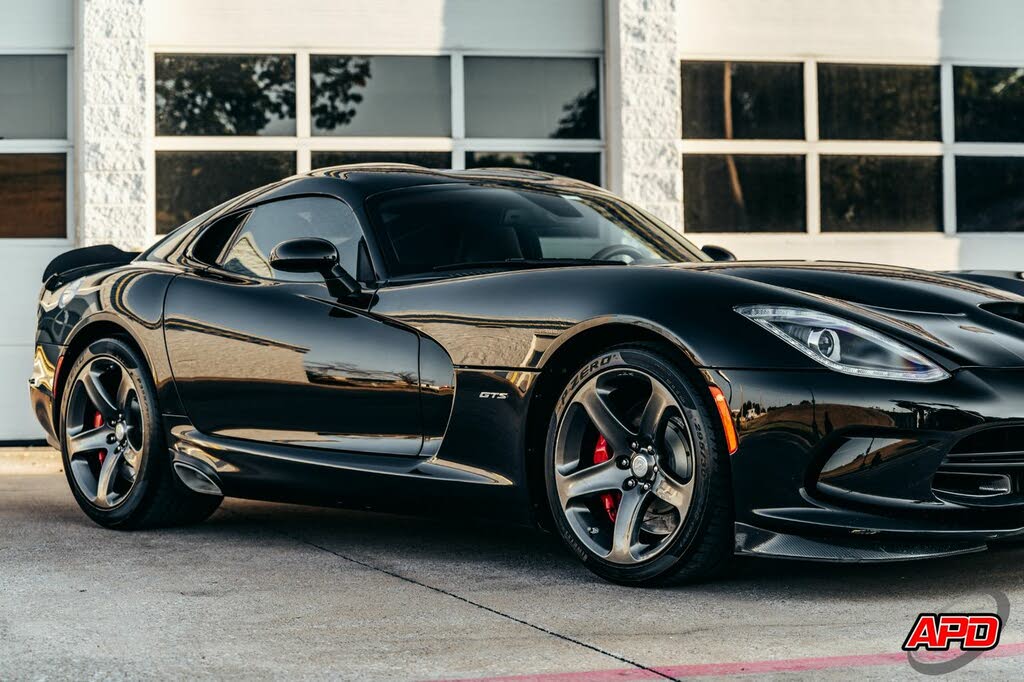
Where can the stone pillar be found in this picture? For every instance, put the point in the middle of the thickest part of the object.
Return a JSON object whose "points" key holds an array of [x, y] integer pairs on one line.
{"points": [[643, 105], [112, 136]]}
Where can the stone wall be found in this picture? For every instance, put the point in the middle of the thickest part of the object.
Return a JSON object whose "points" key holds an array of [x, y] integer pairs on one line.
{"points": [[112, 138], [643, 105]]}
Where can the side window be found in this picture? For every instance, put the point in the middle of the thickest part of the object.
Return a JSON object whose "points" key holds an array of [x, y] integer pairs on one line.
{"points": [[273, 223], [214, 238]]}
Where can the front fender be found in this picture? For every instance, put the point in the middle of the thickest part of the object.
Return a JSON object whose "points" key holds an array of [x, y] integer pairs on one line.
{"points": [[517, 320]]}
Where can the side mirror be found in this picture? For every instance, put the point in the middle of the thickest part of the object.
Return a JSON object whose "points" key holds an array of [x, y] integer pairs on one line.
{"points": [[312, 254], [719, 253]]}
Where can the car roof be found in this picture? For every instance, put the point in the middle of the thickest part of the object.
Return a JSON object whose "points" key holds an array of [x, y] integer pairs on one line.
{"points": [[355, 182]]}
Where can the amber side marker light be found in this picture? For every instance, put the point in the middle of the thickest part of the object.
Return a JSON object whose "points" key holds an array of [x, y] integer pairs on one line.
{"points": [[732, 443], [56, 375]]}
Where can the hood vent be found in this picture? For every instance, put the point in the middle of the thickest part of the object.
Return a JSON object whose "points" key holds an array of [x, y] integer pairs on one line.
{"points": [[1011, 311]]}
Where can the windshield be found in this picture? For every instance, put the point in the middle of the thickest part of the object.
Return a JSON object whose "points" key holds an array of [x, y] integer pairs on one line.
{"points": [[444, 227]]}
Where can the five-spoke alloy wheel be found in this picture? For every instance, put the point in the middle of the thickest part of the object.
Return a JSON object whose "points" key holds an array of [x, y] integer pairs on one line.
{"points": [[634, 470], [112, 442], [104, 431]]}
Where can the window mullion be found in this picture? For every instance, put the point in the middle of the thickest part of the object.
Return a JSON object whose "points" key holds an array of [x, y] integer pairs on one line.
{"points": [[302, 110], [813, 162], [948, 156], [458, 92], [458, 155]]}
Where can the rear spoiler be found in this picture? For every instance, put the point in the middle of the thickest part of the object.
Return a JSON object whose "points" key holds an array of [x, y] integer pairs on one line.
{"points": [[78, 262], [1007, 280]]}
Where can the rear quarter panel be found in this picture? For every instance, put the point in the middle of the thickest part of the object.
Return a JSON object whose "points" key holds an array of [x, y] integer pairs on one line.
{"points": [[130, 297]]}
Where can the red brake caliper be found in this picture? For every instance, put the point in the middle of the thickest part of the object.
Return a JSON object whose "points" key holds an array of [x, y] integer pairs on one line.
{"points": [[97, 422], [602, 453]]}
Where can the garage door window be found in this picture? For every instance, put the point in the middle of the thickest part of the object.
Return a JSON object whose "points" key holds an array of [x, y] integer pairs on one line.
{"points": [[884, 147], [190, 182], [229, 122], [34, 146], [225, 94], [357, 95], [743, 100]]}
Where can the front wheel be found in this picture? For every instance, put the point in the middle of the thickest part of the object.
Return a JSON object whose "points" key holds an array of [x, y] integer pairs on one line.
{"points": [[637, 483], [113, 447]]}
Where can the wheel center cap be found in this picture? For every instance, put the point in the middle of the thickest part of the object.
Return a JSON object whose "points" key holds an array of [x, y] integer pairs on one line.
{"points": [[640, 466], [119, 431]]}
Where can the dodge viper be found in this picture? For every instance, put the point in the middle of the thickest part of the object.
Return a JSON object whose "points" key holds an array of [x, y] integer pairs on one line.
{"points": [[522, 347]]}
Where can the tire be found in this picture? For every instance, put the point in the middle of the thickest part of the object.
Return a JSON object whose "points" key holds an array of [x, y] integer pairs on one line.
{"points": [[656, 430], [109, 414]]}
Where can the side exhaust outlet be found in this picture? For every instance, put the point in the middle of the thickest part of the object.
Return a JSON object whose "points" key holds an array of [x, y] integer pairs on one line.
{"points": [[196, 479]]}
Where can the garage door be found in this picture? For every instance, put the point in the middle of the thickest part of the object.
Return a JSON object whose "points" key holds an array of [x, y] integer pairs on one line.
{"points": [[35, 212]]}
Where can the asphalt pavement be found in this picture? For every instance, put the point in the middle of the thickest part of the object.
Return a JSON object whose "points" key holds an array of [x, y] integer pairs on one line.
{"points": [[263, 591]]}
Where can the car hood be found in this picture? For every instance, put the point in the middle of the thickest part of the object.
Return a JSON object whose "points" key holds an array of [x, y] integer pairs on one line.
{"points": [[967, 322]]}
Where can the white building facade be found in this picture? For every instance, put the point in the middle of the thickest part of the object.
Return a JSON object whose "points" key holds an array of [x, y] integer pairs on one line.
{"points": [[879, 130]]}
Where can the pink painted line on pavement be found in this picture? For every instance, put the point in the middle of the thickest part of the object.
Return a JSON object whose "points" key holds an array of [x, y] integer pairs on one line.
{"points": [[748, 667]]}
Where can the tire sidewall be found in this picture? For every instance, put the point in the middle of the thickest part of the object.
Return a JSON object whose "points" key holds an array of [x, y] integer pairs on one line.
{"points": [[149, 469], [705, 460]]}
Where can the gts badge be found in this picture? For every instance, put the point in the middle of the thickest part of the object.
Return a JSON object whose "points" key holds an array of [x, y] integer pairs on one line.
{"points": [[494, 396]]}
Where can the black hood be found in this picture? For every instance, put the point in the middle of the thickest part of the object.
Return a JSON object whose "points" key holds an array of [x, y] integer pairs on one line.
{"points": [[966, 321]]}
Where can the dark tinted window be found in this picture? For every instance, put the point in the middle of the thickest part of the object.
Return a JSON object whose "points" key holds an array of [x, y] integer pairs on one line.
{"points": [[402, 96], [584, 166], [33, 96], [881, 193], [188, 183], [989, 194], [989, 104], [211, 243], [167, 245], [227, 94], [425, 159], [33, 195], [532, 97], [743, 100], [426, 228], [273, 223], [873, 102], [743, 193]]}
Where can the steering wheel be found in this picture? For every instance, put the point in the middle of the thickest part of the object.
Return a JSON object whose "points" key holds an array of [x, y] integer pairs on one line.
{"points": [[613, 250]]}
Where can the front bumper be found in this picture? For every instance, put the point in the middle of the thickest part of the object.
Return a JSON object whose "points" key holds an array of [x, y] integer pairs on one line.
{"points": [[866, 466]]}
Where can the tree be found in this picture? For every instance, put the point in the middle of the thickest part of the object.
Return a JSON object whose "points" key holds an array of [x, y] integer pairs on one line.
{"points": [[334, 81], [223, 95], [244, 94]]}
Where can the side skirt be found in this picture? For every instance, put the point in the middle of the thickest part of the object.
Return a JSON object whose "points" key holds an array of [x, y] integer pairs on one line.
{"points": [[401, 484]]}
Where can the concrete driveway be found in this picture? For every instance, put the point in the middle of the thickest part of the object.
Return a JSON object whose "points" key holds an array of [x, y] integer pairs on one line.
{"points": [[275, 591]]}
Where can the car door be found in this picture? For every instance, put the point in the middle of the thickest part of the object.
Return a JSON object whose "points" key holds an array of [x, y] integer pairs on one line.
{"points": [[274, 357]]}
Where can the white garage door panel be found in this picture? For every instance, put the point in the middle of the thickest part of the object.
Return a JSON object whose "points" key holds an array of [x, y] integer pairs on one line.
{"points": [[36, 24], [22, 268], [890, 30], [16, 419], [22, 265], [405, 25]]}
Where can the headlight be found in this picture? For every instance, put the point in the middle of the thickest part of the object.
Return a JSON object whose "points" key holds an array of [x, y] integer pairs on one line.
{"points": [[844, 346]]}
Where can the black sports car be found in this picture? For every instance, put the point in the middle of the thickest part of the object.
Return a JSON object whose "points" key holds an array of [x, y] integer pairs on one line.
{"points": [[520, 345]]}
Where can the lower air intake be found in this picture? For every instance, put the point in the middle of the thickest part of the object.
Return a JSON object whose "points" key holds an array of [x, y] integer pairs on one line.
{"points": [[984, 469]]}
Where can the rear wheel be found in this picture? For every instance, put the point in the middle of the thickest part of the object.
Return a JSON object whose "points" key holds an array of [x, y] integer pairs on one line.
{"points": [[113, 447], [637, 484]]}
